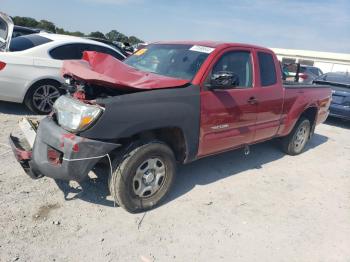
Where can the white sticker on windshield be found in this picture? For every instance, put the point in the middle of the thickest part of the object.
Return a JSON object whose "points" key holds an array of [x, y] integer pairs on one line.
{"points": [[202, 49]]}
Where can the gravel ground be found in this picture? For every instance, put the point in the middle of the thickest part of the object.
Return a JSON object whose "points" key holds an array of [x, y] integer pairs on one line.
{"points": [[262, 207]]}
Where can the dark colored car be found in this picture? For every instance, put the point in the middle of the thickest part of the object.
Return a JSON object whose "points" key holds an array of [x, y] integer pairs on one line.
{"points": [[340, 83], [21, 30], [107, 42]]}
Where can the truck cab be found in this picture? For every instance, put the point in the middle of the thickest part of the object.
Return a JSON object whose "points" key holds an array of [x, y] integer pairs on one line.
{"points": [[246, 112]]}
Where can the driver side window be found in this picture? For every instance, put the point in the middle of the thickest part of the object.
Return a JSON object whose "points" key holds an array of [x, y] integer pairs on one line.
{"points": [[238, 63]]}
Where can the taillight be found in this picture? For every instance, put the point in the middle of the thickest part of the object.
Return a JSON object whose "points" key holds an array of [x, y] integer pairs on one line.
{"points": [[303, 76], [2, 65]]}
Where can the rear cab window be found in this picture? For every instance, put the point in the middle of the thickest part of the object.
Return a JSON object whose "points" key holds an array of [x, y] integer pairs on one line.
{"points": [[26, 42], [267, 69]]}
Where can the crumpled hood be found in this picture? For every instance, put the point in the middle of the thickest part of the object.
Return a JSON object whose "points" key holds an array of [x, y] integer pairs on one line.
{"points": [[102, 69]]}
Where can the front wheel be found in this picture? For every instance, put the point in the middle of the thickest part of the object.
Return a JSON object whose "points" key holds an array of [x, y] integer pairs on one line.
{"points": [[295, 142], [143, 178]]}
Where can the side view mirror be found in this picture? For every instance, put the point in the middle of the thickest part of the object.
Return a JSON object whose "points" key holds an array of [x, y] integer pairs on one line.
{"points": [[224, 80]]}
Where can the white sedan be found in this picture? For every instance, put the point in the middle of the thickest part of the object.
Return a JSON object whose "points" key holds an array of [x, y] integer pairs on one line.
{"points": [[30, 66]]}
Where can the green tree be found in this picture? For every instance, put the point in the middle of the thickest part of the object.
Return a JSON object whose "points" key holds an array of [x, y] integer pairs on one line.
{"points": [[112, 35], [134, 40], [77, 33], [25, 21], [60, 31], [122, 38], [97, 34], [47, 26]]}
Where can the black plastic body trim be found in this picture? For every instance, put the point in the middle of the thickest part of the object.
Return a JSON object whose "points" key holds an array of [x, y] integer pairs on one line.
{"points": [[51, 136], [130, 114]]}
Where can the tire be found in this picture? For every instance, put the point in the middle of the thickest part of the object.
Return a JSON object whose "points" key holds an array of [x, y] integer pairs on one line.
{"points": [[41, 96], [295, 142], [143, 177]]}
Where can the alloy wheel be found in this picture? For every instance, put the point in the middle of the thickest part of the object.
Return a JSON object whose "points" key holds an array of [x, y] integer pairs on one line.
{"points": [[44, 97]]}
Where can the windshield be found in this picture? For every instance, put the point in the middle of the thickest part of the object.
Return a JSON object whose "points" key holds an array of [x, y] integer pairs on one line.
{"points": [[174, 60]]}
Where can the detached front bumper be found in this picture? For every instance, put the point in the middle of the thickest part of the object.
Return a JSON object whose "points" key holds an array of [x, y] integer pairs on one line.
{"points": [[59, 154]]}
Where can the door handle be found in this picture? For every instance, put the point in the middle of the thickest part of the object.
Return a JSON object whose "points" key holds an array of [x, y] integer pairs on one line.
{"points": [[252, 100]]}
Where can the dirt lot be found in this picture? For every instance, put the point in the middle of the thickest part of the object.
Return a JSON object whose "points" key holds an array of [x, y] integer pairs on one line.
{"points": [[263, 207]]}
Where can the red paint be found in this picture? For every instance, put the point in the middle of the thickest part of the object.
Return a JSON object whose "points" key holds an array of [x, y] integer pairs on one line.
{"points": [[20, 154], [240, 122], [75, 148], [69, 136], [73, 138], [2, 65], [54, 156], [228, 109], [80, 95], [275, 114], [103, 69]]}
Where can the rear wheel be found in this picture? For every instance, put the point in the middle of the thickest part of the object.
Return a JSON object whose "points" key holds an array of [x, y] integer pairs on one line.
{"points": [[42, 95], [144, 177], [295, 142]]}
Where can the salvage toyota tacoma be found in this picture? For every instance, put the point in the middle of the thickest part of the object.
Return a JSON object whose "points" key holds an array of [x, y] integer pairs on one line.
{"points": [[170, 103]]}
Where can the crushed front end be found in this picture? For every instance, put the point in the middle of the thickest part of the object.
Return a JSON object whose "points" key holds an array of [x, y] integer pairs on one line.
{"points": [[55, 149]]}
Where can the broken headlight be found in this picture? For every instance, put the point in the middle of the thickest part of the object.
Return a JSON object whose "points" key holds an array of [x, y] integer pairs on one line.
{"points": [[74, 115]]}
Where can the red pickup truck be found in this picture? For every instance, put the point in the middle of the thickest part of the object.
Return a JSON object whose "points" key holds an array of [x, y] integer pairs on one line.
{"points": [[169, 103]]}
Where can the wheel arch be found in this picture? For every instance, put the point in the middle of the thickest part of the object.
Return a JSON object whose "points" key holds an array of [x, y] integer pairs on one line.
{"points": [[310, 113], [39, 81], [174, 137]]}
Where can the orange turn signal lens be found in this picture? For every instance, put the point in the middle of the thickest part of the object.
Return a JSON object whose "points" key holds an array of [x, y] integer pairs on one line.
{"points": [[85, 121]]}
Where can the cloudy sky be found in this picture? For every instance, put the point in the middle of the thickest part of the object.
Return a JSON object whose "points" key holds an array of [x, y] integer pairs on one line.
{"points": [[300, 24]]}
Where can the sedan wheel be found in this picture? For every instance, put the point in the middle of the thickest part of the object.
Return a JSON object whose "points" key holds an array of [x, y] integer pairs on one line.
{"points": [[44, 97], [41, 97]]}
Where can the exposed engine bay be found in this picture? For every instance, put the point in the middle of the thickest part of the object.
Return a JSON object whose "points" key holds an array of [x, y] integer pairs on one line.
{"points": [[89, 92]]}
